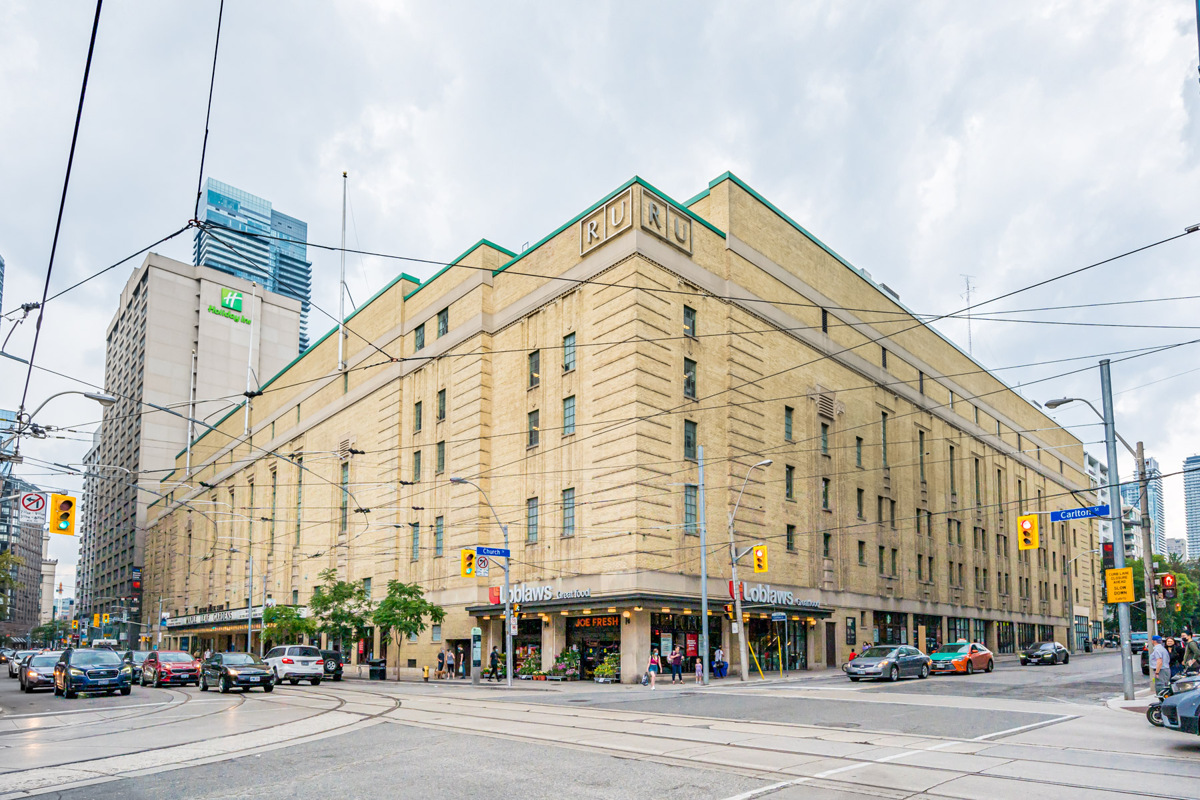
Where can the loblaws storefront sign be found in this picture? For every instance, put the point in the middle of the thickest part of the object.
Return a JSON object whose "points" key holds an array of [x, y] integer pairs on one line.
{"points": [[231, 306], [763, 593], [535, 593]]}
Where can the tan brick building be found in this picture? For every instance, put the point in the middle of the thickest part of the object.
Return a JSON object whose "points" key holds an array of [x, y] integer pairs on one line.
{"points": [[576, 383]]}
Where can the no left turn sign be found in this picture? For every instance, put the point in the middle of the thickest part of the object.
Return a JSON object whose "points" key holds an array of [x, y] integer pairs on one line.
{"points": [[33, 503]]}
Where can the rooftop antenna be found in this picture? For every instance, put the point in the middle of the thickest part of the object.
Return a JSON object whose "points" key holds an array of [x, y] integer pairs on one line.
{"points": [[967, 295]]}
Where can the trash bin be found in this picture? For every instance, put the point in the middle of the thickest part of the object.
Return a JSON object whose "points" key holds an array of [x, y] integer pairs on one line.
{"points": [[1087, 646], [378, 669]]}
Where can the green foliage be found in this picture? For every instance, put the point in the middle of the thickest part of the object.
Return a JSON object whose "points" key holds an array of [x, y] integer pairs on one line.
{"points": [[610, 667], [1170, 621], [341, 608], [51, 633], [403, 612], [8, 578], [284, 625]]}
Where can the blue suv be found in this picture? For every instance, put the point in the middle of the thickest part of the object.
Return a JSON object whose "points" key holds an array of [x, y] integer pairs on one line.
{"points": [[88, 670]]}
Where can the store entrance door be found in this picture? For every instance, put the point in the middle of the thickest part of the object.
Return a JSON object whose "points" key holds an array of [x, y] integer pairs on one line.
{"points": [[831, 644]]}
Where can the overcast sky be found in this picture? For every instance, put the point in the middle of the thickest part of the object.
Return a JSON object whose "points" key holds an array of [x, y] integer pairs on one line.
{"points": [[922, 141]]}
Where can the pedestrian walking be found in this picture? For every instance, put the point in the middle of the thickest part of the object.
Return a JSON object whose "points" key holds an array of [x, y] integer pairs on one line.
{"points": [[652, 666], [677, 664], [699, 669], [449, 664], [1175, 648], [1160, 665], [462, 663], [441, 665], [1191, 653], [719, 663], [494, 664]]}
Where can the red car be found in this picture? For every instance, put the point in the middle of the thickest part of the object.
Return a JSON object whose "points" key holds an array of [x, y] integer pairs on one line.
{"points": [[165, 667]]}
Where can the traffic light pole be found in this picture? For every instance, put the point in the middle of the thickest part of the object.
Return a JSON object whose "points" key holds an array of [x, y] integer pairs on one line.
{"points": [[739, 621], [1114, 495], [1147, 547], [703, 573]]}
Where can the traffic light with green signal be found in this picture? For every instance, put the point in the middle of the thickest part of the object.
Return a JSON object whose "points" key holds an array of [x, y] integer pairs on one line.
{"points": [[467, 565], [62, 514]]}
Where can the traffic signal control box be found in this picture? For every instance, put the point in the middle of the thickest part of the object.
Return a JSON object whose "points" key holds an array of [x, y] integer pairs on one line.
{"points": [[62, 514], [760, 558], [467, 566], [1027, 532]]}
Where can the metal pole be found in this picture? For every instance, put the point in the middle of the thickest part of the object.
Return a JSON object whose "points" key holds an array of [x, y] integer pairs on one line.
{"points": [[342, 287], [1147, 548], [1114, 494], [250, 603], [159, 622], [250, 360], [738, 622], [508, 653], [704, 665], [191, 429]]}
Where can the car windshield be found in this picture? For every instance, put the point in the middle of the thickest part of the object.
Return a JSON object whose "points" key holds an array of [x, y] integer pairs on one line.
{"points": [[956, 647], [310, 652], [22, 653], [44, 660], [240, 659], [94, 658], [139, 657], [878, 652], [1042, 646], [174, 658], [1140, 637]]}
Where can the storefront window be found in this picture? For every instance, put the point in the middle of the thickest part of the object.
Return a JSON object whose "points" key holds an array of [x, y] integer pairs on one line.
{"points": [[979, 631], [1026, 634], [1081, 632], [594, 637], [527, 644], [1005, 643], [933, 632], [1046, 633], [891, 628], [668, 630], [958, 628]]}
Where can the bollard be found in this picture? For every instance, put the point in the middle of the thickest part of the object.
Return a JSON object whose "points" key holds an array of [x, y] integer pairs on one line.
{"points": [[425, 672]]}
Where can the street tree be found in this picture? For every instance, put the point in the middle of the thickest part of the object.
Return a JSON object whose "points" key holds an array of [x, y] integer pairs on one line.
{"points": [[403, 613], [341, 608], [50, 634], [8, 578], [283, 624]]}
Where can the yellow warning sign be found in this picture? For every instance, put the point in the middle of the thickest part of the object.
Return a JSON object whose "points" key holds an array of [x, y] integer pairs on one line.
{"points": [[1120, 584]]}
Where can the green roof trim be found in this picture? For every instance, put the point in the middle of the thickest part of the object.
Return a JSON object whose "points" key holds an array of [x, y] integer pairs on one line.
{"points": [[210, 428], [167, 477], [602, 201], [460, 257]]}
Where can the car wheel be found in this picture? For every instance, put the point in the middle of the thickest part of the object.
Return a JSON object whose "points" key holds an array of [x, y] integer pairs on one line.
{"points": [[315, 681], [56, 691], [1054, 659], [337, 677], [894, 675], [1066, 658], [991, 665], [970, 667], [1024, 662], [275, 677], [293, 681], [126, 690], [157, 680], [69, 693], [269, 688], [854, 680], [924, 672], [142, 679], [225, 684], [203, 683], [1154, 715]]}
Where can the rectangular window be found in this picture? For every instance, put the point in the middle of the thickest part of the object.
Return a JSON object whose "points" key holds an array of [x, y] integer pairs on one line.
{"points": [[534, 429], [299, 495], [858, 448], [443, 322], [568, 512], [418, 416], [415, 533], [535, 368], [920, 568], [825, 493], [689, 440], [419, 337], [826, 541], [921, 453], [295, 597], [441, 457], [881, 556], [862, 513], [568, 415], [892, 513], [416, 466], [883, 357], [441, 405], [825, 438], [689, 321], [568, 352], [824, 321], [917, 516], [690, 502], [435, 633], [920, 382], [367, 587], [894, 557], [531, 520], [439, 536], [787, 423], [344, 507], [689, 378], [879, 500], [789, 487], [862, 552], [953, 485], [883, 421]]}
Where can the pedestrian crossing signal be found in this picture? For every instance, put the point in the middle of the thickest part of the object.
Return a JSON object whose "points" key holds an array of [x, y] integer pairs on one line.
{"points": [[729, 611], [62, 514], [467, 566], [760, 558], [1027, 532], [1168, 586]]}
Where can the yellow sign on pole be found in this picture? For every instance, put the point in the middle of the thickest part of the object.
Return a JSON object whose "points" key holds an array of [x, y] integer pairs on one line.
{"points": [[1120, 584]]}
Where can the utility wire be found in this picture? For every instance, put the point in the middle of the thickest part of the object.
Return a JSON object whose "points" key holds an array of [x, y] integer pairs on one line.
{"points": [[212, 82]]}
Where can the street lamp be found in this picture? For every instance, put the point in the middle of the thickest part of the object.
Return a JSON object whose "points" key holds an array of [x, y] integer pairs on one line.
{"points": [[508, 653], [105, 400], [734, 555]]}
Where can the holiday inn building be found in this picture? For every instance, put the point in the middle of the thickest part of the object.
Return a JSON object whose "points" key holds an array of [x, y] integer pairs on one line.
{"points": [[610, 390]]}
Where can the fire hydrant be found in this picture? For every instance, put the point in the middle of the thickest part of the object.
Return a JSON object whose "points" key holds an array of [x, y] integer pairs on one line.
{"points": [[425, 672]]}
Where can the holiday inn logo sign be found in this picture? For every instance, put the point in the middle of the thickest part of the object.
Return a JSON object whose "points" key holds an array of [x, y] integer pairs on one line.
{"points": [[231, 306]]}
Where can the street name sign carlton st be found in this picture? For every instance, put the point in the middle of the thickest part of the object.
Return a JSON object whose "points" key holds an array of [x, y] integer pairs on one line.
{"points": [[1078, 513]]}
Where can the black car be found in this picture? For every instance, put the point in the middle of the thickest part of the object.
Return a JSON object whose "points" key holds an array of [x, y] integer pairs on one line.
{"points": [[135, 658], [86, 669], [38, 671], [333, 664], [227, 671], [1045, 653]]}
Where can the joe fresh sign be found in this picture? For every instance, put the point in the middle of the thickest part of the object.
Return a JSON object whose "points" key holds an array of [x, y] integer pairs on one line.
{"points": [[231, 306]]}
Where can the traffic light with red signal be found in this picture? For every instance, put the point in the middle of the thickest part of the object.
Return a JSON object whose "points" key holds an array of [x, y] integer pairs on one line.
{"points": [[1027, 532], [760, 558]]}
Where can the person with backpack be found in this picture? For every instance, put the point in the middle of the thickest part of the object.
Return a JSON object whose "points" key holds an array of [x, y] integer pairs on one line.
{"points": [[652, 667], [494, 664]]}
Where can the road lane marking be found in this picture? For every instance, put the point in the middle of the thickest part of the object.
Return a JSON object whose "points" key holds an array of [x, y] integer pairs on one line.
{"points": [[750, 795], [1028, 727], [89, 710]]}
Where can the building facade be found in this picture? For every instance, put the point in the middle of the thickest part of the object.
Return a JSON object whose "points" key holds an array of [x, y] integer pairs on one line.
{"points": [[181, 335], [48, 586], [21, 533], [1177, 547], [581, 384], [1097, 474], [259, 245], [1131, 495], [1191, 499]]}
